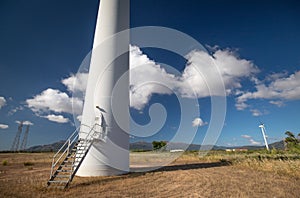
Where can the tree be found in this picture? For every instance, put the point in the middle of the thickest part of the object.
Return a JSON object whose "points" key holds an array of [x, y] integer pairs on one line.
{"points": [[291, 141], [290, 134], [158, 144]]}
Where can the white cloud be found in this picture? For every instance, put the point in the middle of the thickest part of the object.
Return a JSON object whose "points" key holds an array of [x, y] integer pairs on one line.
{"points": [[198, 122], [14, 110], [76, 82], [3, 126], [2, 102], [278, 103], [246, 136], [57, 118], [281, 88], [275, 76], [200, 71], [56, 101], [241, 106], [251, 140], [256, 112], [147, 78], [26, 122], [151, 78], [255, 143], [79, 118], [192, 83]]}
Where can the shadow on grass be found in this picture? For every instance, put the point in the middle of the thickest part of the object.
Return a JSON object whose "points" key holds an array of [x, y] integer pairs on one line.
{"points": [[137, 172], [192, 166]]}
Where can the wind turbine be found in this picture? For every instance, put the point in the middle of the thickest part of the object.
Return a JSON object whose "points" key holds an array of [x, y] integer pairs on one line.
{"points": [[263, 131]]}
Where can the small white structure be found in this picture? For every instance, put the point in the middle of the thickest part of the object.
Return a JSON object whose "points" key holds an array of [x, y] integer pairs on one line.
{"points": [[109, 153], [176, 150]]}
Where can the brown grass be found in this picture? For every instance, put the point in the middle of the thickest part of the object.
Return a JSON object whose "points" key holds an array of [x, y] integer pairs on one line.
{"points": [[289, 168], [188, 176]]}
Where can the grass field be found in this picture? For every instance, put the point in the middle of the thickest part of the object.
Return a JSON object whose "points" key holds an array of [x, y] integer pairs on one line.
{"points": [[217, 174]]}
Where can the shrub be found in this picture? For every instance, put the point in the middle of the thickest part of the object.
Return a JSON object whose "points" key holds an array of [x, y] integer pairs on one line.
{"points": [[4, 162], [158, 144]]}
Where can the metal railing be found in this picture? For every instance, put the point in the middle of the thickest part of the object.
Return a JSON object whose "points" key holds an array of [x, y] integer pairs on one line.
{"points": [[69, 144]]}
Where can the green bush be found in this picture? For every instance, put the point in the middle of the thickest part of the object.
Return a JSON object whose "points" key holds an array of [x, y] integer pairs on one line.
{"points": [[158, 144], [4, 162]]}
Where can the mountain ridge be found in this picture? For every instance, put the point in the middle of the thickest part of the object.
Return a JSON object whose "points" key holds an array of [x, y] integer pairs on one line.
{"points": [[147, 146]]}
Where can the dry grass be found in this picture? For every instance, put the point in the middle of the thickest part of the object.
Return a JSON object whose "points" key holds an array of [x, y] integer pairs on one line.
{"points": [[188, 176], [289, 168]]}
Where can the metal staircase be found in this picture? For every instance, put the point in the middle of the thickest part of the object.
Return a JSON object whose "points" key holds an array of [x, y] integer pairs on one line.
{"points": [[69, 157]]}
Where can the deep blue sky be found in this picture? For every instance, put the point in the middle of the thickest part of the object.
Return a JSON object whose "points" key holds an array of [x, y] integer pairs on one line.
{"points": [[43, 42]]}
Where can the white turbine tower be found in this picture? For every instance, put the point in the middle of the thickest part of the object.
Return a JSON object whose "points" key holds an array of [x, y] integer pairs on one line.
{"points": [[263, 131], [100, 146], [109, 153]]}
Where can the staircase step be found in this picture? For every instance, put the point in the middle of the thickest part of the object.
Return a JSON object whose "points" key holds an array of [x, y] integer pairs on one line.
{"points": [[82, 145], [80, 153], [59, 181], [66, 171], [67, 161], [62, 176], [67, 166]]}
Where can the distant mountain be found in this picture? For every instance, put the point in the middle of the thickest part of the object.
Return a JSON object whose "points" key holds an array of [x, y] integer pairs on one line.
{"points": [[278, 145], [47, 148], [196, 147], [147, 146]]}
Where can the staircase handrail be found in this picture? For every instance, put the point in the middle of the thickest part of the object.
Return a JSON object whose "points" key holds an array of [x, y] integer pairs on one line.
{"points": [[69, 142], [90, 132]]}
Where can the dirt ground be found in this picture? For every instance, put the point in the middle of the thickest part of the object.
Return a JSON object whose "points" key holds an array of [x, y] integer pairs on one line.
{"points": [[183, 178]]}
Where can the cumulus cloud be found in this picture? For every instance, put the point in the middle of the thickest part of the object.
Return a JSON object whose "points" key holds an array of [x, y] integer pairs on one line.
{"points": [[281, 88], [26, 122], [199, 72], [241, 106], [256, 112], [3, 126], [2, 101], [230, 66], [246, 136], [251, 140], [79, 118], [198, 122], [77, 82], [146, 79], [57, 118], [14, 110], [278, 103], [56, 101]]}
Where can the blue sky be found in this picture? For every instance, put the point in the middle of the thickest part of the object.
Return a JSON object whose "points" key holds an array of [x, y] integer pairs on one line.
{"points": [[43, 43]]}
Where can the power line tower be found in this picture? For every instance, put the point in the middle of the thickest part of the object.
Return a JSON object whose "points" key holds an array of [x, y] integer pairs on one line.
{"points": [[15, 145], [24, 142]]}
